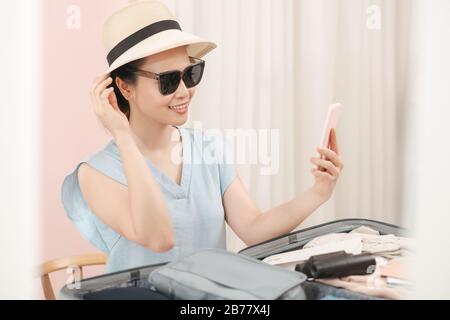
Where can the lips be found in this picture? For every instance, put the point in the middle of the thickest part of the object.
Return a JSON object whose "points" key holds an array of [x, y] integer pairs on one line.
{"points": [[180, 109]]}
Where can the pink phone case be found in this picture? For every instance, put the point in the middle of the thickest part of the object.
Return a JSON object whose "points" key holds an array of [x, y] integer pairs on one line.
{"points": [[330, 123]]}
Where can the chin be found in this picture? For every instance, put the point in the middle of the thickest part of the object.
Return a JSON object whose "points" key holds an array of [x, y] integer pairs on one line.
{"points": [[180, 122]]}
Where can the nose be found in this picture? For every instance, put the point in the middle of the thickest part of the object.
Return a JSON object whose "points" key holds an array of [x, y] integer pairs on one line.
{"points": [[182, 90]]}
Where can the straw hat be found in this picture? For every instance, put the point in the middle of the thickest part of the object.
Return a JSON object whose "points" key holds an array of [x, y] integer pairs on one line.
{"points": [[144, 28]]}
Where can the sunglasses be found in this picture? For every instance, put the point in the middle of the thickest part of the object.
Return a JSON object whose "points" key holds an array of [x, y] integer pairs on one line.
{"points": [[169, 81]]}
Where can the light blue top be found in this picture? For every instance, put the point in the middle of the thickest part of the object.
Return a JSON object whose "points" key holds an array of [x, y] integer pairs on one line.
{"points": [[195, 206]]}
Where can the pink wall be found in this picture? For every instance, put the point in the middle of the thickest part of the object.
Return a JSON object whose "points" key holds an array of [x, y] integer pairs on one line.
{"points": [[70, 131]]}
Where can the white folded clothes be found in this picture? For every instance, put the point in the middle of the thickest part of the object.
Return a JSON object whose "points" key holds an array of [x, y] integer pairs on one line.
{"points": [[365, 230], [289, 259], [388, 246]]}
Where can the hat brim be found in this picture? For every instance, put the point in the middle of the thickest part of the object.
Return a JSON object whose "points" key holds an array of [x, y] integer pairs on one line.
{"points": [[166, 40]]}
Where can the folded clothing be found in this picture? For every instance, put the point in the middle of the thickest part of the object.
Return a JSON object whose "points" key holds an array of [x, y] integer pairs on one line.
{"points": [[388, 246], [289, 259]]}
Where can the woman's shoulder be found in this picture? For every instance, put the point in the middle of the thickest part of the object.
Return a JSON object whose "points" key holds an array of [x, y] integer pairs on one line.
{"points": [[105, 160], [76, 206], [107, 155]]}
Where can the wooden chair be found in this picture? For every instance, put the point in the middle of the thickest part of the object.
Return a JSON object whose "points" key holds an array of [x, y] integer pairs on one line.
{"points": [[60, 264]]}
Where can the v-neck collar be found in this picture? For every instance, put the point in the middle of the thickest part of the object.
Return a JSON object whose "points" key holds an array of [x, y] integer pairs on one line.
{"points": [[180, 191]]}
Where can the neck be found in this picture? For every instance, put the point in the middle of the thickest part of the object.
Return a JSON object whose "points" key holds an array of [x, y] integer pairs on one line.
{"points": [[150, 135]]}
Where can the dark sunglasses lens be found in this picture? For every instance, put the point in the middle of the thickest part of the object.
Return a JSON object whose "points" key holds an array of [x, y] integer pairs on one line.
{"points": [[169, 82], [193, 75]]}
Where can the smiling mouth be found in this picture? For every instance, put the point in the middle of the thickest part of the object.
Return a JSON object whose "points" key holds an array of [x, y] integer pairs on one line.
{"points": [[180, 109]]}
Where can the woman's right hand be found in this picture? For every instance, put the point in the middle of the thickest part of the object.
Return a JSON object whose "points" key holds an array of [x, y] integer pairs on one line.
{"points": [[105, 106]]}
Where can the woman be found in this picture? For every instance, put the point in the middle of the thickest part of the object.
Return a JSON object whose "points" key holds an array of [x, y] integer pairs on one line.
{"points": [[131, 199]]}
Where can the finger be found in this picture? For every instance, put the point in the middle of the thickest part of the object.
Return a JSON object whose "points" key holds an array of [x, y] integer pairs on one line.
{"points": [[105, 95], [331, 156], [94, 99], [328, 165], [97, 92], [98, 80], [113, 101], [104, 101], [102, 86], [94, 103], [333, 141], [320, 174]]}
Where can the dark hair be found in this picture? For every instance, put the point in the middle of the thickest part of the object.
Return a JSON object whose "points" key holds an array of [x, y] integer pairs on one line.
{"points": [[129, 77]]}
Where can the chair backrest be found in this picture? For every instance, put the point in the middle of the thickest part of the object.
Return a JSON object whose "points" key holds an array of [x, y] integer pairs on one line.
{"points": [[60, 264]]}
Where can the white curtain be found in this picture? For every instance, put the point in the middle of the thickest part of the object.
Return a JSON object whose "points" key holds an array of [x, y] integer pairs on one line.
{"points": [[426, 192], [280, 64], [19, 141]]}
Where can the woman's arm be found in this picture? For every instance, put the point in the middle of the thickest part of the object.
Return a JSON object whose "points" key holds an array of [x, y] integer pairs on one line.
{"points": [[148, 210], [136, 211], [254, 227]]}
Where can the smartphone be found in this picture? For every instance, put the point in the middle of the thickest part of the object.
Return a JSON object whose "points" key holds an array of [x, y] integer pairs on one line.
{"points": [[334, 112]]}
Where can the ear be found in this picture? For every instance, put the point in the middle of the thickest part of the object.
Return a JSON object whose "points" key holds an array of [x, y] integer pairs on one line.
{"points": [[125, 88]]}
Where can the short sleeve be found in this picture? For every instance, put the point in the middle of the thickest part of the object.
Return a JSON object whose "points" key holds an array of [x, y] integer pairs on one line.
{"points": [[78, 211], [227, 169]]}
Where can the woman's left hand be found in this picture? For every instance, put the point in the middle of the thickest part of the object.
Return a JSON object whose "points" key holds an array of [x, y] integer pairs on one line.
{"points": [[328, 170]]}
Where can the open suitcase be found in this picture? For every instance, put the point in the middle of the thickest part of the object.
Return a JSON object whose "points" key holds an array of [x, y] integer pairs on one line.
{"points": [[133, 283]]}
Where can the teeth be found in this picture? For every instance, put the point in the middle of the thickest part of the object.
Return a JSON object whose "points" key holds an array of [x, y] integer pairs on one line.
{"points": [[184, 106]]}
